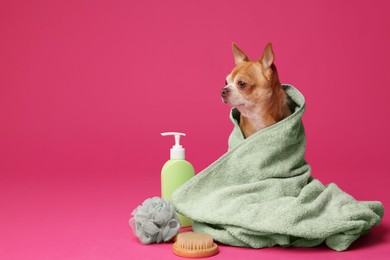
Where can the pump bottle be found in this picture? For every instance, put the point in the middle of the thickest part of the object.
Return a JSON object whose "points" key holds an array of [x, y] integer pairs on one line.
{"points": [[175, 173]]}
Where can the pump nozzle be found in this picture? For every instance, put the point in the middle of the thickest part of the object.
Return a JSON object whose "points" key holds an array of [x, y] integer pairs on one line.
{"points": [[177, 151]]}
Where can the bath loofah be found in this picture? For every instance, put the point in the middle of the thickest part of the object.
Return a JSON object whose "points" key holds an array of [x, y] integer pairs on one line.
{"points": [[154, 221]]}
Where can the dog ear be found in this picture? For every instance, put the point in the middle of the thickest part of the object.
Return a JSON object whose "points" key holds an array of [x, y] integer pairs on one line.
{"points": [[239, 55], [268, 57]]}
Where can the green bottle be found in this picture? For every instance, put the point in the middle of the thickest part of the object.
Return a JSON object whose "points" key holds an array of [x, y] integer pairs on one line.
{"points": [[175, 173]]}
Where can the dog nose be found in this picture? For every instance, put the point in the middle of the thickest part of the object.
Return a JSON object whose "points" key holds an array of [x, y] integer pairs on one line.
{"points": [[225, 91]]}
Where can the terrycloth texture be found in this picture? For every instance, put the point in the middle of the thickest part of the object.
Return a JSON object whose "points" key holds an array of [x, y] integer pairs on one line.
{"points": [[260, 193]]}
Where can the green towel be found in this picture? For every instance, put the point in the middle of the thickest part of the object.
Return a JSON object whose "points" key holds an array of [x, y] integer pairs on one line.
{"points": [[260, 193]]}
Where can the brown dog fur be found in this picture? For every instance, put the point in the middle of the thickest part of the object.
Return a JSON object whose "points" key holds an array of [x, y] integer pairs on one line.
{"points": [[253, 87]]}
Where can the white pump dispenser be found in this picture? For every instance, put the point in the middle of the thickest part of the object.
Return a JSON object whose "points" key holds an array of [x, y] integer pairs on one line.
{"points": [[177, 151]]}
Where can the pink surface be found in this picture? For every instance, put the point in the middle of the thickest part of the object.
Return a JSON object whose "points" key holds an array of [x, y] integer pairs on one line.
{"points": [[87, 86]]}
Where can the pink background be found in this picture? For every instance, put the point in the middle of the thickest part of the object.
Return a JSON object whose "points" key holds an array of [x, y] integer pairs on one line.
{"points": [[86, 87]]}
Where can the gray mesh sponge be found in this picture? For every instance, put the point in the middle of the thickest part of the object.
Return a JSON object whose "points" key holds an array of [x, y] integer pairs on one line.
{"points": [[154, 221]]}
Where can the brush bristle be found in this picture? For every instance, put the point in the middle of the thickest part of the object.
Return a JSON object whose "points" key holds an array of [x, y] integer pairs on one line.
{"points": [[193, 245], [194, 241]]}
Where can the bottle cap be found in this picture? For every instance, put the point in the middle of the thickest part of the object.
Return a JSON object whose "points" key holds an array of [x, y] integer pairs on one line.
{"points": [[177, 151]]}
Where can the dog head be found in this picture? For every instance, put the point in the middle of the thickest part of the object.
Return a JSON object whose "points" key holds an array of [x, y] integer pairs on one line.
{"points": [[250, 84]]}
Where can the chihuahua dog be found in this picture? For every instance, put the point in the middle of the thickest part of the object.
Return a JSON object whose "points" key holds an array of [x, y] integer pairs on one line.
{"points": [[253, 87]]}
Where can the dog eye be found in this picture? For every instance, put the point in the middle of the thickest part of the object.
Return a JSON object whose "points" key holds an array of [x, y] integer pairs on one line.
{"points": [[241, 84]]}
